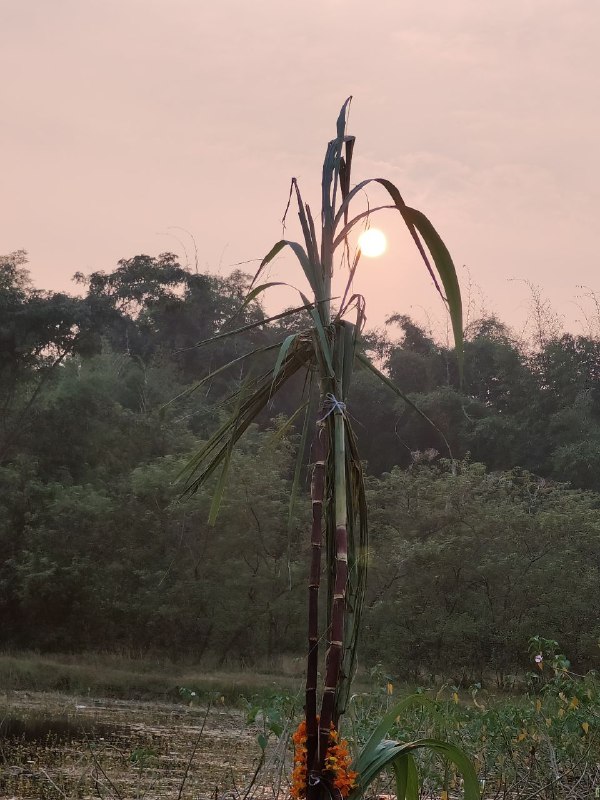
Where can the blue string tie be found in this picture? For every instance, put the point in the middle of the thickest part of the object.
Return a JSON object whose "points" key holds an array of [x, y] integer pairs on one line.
{"points": [[335, 406]]}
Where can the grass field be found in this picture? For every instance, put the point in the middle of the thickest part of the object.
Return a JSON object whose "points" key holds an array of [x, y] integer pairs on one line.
{"points": [[114, 727], [109, 675], [118, 727]]}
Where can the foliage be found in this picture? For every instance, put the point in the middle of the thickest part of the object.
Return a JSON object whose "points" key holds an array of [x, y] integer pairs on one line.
{"points": [[541, 744], [78, 528], [38, 331], [506, 554]]}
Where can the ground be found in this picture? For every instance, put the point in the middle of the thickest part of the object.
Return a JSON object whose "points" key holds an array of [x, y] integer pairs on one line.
{"points": [[58, 746]]}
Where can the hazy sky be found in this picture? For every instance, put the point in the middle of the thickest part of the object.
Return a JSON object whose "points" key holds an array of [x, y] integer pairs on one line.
{"points": [[124, 121]]}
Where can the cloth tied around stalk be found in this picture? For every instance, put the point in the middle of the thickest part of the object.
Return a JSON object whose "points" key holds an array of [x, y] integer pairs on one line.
{"points": [[332, 406]]}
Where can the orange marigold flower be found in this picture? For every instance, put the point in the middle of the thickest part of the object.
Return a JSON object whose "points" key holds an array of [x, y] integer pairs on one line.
{"points": [[336, 764]]}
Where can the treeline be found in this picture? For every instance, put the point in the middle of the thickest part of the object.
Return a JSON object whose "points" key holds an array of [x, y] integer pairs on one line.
{"points": [[469, 558]]}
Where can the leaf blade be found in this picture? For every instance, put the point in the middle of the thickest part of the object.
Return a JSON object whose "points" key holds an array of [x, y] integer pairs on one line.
{"points": [[283, 351], [447, 273], [311, 272], [418, 224], [367, 364]]}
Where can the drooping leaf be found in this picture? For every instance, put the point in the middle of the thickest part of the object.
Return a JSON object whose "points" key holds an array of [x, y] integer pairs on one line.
{"points": [[301, 457], [251, 399], [283, 351], [191, 389], [226, 334], [226, 461], [447, 272], [417, 223], [254, 293], [367, 364], [287, 425], [387, 752], [313, 275]]}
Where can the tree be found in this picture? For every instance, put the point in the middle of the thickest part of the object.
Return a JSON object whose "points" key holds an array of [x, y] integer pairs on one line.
{"points": [[153, 305], [496, 372], [38, 331], [469, 564]]}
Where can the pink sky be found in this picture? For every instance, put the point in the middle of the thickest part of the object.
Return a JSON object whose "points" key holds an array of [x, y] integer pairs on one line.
{"points": [[124, 118]]}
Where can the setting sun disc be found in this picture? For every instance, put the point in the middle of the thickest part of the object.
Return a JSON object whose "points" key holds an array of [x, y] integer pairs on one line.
{"points": [[372, 243]]}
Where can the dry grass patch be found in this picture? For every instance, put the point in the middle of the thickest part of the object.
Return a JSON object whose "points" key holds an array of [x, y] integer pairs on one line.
{"points": [[57, 746]]}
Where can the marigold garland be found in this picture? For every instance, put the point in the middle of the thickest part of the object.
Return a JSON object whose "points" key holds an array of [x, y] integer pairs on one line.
{"points": [[298, 788], [336, 764]]}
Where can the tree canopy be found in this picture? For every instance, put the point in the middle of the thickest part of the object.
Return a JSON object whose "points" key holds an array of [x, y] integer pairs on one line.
{"points": [[99, 552]]}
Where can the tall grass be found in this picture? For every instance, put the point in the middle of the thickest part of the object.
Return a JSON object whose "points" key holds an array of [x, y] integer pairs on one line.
{"points": [[108, 676]]}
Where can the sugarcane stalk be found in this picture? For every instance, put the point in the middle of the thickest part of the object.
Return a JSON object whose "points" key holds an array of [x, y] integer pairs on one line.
{"points": [[337, 486], [317, 489], [338, 606]]}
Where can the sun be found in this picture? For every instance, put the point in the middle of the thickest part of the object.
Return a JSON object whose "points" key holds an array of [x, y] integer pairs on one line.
{"points": [[372, 243]]}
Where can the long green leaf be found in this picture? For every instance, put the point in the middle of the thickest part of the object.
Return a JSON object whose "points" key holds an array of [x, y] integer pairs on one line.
{"points": [[352, 194], [362, 359], [446, 271], [330, 175], [394, 193], [283, 351], [222, 482], [415, 221], [254, 293], [406, 777], [340, 125], [281, 431], [249, 404], [341, 135], [313, 235], [226, 334], [300, 458], [191, 389], [217, 497], [400, 771], [348, 226], [325, 348], [388, 752], [385, 723], [349, 335], [308, 232], [313, 275]]}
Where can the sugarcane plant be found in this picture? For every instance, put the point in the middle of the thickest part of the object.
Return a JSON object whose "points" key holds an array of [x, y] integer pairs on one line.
{"points": [[327, 352]]}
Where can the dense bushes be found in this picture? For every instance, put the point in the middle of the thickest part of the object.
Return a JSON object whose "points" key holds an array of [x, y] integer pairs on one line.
{"points": [[467, 562]]}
